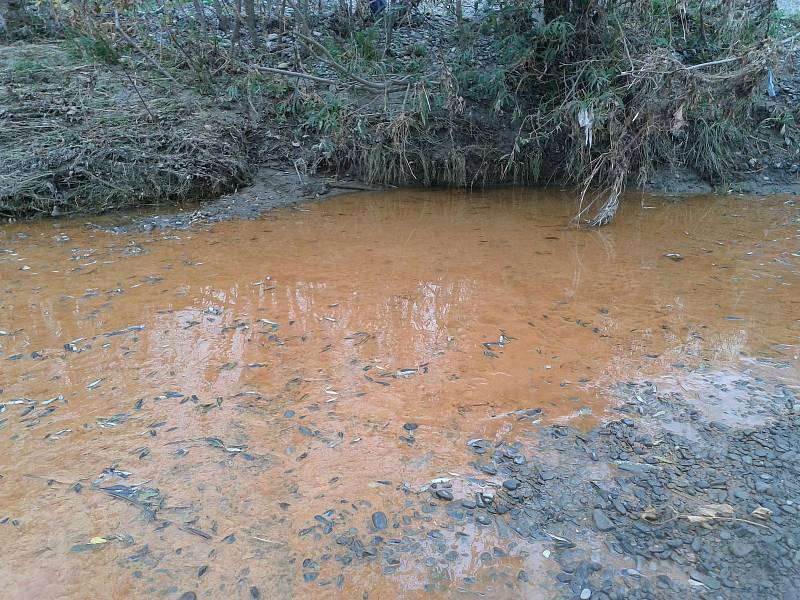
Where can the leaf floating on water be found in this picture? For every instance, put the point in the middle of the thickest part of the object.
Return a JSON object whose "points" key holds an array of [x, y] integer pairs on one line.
{"points": [[58, 434], [109, 422], [194, 531]]}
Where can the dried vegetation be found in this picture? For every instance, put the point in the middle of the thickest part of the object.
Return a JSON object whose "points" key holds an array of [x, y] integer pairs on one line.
{"points": [[140, 103]]}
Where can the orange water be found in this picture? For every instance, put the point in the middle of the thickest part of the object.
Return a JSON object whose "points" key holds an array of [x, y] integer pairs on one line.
{"points": [[317, 311]]}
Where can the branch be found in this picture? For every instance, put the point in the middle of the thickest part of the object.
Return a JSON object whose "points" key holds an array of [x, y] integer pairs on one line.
{"points": [[286, 73], [328, 58], [141, 51], [714, 63]]}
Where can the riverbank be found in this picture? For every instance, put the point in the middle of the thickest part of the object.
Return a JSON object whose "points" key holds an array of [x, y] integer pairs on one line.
{"points": [[96, 124]]}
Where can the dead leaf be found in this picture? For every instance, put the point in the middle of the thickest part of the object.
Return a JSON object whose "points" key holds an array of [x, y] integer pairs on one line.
{"points": [[717, 510], [762, 513], [678, 120], [650, 514]]}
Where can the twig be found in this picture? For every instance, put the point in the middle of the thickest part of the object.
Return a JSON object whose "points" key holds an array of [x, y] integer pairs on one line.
{"points": [[286, 73], [713, 63], [326, 56], [791, 38], [138, 93], [728, 519], [141, 50], [267, 541]]}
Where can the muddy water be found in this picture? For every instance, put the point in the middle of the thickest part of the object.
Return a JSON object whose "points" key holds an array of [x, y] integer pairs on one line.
{"points": [[253, 380]]}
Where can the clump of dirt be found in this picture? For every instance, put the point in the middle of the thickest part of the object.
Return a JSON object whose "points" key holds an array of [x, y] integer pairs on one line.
{"points": [[80, 135]]}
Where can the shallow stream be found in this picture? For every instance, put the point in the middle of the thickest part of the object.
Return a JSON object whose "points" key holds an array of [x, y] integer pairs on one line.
{"points": [[205, 410]]}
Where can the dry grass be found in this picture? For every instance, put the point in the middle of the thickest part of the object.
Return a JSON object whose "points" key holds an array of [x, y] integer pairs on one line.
{"points": [[77, 135]]}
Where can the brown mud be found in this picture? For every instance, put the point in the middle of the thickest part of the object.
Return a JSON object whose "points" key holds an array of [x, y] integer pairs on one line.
{"points": [[253, 378]]}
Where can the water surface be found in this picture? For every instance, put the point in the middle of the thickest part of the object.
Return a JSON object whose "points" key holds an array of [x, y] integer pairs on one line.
{"points": [[258, 374]]}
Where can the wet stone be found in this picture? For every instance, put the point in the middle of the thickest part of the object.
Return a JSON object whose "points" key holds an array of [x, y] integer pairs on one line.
{"points": [[379, 520]]}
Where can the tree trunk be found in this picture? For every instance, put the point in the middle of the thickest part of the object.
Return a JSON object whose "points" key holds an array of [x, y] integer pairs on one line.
{"points": [[237, 24], [223, 21], [250, 12], [200, 9]]}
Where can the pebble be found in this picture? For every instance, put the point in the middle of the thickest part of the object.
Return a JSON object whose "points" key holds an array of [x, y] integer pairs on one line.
{"points": [[706, 580], [740, 549], [410, 426], [601, 521], [379, 520], [586, 593], [511, 484], [444, 495]]}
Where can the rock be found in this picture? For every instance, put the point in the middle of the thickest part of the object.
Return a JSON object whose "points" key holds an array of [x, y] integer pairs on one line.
{"points": [[586, 593], [706, 580], [761, 486], [601, 521], [188, 596], [444, 495], [410, 426], [522, 576], [740, 549], [511, 484], [379, 520]]}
